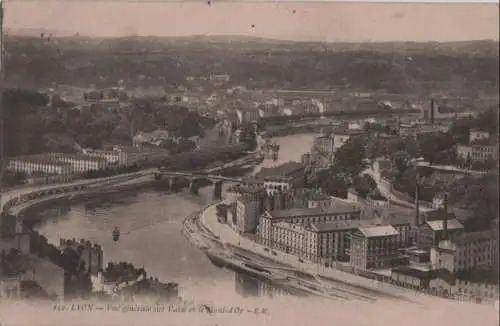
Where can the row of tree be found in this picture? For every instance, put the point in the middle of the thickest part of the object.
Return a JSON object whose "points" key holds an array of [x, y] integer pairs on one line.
{"points": [[31, 127], [110, 171], [201, 159]]}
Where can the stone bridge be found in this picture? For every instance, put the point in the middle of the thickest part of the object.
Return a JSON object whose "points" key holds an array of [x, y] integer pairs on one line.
{"points": [[38, 194], [26, 196], [193, 178]]}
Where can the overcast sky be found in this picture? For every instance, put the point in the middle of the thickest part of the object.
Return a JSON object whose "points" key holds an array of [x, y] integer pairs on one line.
{"points": [[292, 21]]}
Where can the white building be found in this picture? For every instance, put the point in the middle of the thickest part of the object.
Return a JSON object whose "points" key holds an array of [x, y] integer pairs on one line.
{"points": [[32, 164], [476, 134], [129, 155], [80, 163]]}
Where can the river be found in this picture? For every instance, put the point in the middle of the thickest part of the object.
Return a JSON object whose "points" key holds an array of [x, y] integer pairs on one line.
{"points": [[151, 222]]}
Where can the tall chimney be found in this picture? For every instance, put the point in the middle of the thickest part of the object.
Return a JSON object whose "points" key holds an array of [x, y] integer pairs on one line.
{"points": [[432, 109], [445, 219], [417, 205]]}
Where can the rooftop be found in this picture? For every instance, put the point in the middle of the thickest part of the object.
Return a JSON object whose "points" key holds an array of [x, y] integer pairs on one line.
{"points": [[418, 273], [80, 157], [291, 226], [336, 208], [400, 219], [39, 159], [343, 225], [378, 231], [437, 214], [451, 225]]}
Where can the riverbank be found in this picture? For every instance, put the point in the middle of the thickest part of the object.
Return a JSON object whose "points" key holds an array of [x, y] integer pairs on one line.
{"points": [[342, 281], [227, 252], [31, 217], [209, 244]]}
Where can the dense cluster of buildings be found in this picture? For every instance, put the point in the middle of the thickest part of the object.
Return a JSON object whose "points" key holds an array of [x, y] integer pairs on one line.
{"points": [[326, 230]]}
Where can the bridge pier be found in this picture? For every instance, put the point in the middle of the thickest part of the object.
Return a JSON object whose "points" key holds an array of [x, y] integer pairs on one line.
{"points": [[218, 190], [193, 186]]}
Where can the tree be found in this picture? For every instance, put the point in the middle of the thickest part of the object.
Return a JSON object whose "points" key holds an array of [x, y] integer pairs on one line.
{"points": [[432, 144], [400, 161], [331, 183], [349, 158], [364, 185], [481, 196]]}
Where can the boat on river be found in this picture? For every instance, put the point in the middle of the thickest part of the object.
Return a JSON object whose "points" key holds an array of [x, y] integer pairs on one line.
{"points": [[116, 234]]}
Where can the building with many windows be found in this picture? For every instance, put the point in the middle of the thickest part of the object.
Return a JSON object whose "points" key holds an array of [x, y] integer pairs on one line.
{"points": [[286, 176], [374, 247], [320, 200], [334, 239], [127, 156], [295, 239], [324, 239], [80, 163], [481, 148], [474, 250], [431, 233], [479, 151], [304, 216], [113, 157], [42, 164]]}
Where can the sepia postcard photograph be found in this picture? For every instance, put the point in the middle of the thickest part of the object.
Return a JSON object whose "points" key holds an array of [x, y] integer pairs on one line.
{"points": [[224, 163]]}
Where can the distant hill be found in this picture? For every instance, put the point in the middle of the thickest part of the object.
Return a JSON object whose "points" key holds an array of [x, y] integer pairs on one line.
{"points": [[475, 47], [396, 67]]}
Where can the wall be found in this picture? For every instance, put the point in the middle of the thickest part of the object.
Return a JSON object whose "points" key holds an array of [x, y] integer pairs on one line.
{"points": [[20, 242], [49, 276], [465, 291], [486, 292]]}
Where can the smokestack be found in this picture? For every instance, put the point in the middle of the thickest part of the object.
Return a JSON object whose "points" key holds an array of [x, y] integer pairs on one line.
{"points": [[417, 205], [433, 108], [445, 219]]}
